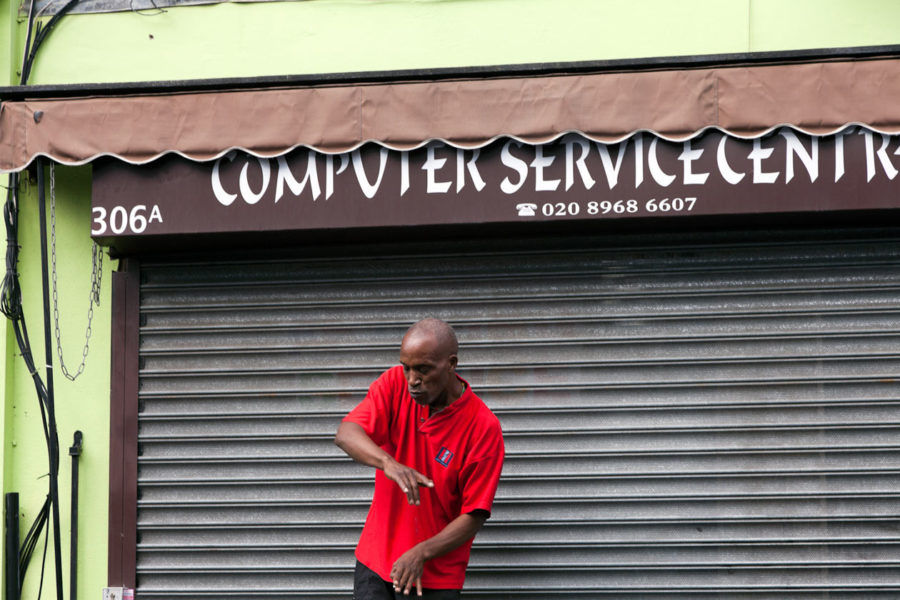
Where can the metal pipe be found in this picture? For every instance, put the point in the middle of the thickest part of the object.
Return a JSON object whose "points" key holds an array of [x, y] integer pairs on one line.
{"points": [[51, 409], [12, 546], [74, 452]]}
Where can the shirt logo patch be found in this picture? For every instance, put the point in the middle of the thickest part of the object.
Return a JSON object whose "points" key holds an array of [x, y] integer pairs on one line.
{"points": [[444, 456]]}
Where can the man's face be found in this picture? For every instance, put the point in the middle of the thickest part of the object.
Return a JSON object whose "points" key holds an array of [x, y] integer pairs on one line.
{"points": [[429, 369]]}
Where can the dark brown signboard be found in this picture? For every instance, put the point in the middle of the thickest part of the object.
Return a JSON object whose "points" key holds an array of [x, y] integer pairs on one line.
{"points": [[507, 181]]}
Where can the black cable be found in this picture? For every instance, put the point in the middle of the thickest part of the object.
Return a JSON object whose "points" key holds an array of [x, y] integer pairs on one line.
{"points": [[44, 559], [31, 16], [42, 32], [10, 292], [31, 540], [11, 300], [11, 307], [53, 448]]}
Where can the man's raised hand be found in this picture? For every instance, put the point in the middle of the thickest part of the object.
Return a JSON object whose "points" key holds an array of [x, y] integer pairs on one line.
{"points": [[408, 479]]}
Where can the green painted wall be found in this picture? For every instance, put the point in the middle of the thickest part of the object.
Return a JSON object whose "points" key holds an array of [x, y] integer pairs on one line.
{"points": [[316, 36], [792, 24], [81, 405], [6, 47], [239, 40]]}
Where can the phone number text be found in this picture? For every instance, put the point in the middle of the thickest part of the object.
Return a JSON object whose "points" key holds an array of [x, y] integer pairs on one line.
{"points": [[619, 207]]}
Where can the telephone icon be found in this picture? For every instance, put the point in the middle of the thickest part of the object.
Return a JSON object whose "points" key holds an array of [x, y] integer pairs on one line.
{"points": [[526, 209]]}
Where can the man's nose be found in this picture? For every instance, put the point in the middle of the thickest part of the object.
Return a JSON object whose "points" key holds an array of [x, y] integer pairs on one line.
{"points": [[413, 379]]}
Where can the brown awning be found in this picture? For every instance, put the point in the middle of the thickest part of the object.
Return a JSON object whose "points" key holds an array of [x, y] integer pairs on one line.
{"points": [[745, 101]]}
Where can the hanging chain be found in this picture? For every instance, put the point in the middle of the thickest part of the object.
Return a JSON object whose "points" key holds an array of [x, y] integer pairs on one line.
{"points": [[96, 275]]}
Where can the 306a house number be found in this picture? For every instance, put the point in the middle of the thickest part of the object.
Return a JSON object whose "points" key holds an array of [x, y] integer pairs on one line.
{"points": [[120, 219]]}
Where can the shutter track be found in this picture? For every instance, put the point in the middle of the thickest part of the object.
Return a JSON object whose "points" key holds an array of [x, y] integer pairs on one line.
{"points": [[704, 416]]}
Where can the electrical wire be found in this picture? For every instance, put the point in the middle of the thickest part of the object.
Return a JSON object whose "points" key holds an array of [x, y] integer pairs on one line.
{"points": [[11, 307], [31, 539], [31, 19], [41, 33]]}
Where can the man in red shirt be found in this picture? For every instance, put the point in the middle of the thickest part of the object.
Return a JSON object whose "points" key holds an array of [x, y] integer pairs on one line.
{"points": [[438, 451]]}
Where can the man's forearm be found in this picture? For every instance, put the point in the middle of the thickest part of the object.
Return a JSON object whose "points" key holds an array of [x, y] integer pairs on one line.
{"points": [[455, 534], [352, 439], [407, 570]]}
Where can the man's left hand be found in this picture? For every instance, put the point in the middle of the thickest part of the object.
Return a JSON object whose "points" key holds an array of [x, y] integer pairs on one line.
{"points": [[407, 572]]}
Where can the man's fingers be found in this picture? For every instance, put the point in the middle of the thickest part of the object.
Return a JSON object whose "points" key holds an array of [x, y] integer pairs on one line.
{"points": [[408, 589], [406, 574], [409, 487], [409, 481], [398, 585], [408, 586], [412, 493], [401, 579]]}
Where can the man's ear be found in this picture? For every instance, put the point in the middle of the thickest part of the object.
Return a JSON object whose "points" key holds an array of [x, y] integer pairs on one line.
{"points": [[453, 362]]}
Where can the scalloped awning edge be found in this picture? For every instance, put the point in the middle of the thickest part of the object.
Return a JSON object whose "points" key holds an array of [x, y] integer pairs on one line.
{"points": [[818, 98]]}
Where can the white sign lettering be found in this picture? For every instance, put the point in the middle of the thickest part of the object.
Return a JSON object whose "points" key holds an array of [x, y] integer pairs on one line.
{"points": [[568, 165]]}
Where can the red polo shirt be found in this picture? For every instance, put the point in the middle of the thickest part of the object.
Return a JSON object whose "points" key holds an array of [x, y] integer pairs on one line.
{"points": [[459, 448]]}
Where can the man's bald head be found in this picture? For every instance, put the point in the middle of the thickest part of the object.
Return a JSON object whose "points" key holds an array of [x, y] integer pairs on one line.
{"points": [[443, 335], [428, 356]]}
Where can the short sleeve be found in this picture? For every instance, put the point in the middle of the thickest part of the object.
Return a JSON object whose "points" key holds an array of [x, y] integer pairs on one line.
{"points": [[479, 478], [373, 414]]}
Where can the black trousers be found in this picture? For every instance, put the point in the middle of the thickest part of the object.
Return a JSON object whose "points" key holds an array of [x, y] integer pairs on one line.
{"points": [[367, 585]]}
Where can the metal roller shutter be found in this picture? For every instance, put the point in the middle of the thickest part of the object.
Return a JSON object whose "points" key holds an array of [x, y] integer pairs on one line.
{"points": [[685, 417]]}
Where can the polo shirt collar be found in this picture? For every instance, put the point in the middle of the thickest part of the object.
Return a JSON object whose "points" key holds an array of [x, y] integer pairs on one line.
{"points": [[455, 407]]}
